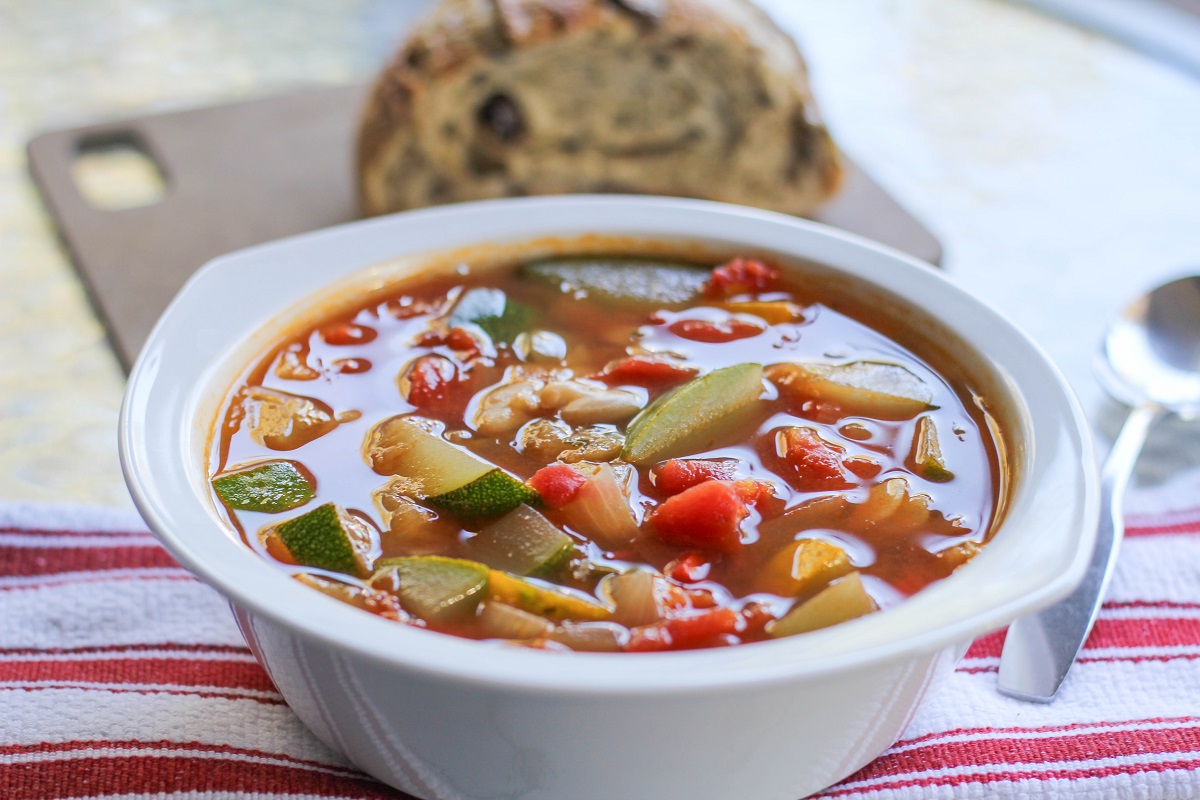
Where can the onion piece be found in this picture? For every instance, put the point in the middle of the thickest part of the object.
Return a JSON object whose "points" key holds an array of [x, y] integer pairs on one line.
{"points": [[601, 510], [633, 597], [502, 621], [591, 637]]}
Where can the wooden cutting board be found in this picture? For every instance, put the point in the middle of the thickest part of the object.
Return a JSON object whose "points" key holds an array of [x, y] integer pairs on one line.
{"points": [[246, 173]]}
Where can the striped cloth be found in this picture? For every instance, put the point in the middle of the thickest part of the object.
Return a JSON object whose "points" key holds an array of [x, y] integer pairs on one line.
{"points": [[121, 676]]}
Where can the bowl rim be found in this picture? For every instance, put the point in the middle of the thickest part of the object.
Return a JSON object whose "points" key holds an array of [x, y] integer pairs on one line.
{"points": [[173, 373]]}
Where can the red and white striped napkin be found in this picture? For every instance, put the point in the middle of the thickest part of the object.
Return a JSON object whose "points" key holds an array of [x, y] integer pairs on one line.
{"points": [[121, 676]]}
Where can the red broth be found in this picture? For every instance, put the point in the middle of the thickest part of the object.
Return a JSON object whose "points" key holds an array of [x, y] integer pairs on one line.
{"points": [[514, 455]]}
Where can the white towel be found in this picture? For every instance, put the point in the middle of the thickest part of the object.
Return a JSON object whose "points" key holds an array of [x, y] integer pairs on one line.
{"points": [[121, 676]]}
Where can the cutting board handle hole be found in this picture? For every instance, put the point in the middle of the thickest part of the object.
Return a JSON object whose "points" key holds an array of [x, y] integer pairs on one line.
{"points": [[115, 171]]}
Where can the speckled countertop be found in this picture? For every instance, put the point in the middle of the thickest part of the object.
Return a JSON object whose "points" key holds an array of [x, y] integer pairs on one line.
{"points": [[1060, 170]]}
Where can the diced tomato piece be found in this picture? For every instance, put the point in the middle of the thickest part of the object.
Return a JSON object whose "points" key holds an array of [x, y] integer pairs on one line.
{"points": [[350, 366], [643, 371], [755, 617], [754, 492], [557, 484], [741, 276], [701, 598], [689, 568], [429, 380], [815, 464], [347, 333], [677, 474], [462, 340], [691, 628], [457, 339], [702, 330], [862, 466], [648, 639], [705, 516]]}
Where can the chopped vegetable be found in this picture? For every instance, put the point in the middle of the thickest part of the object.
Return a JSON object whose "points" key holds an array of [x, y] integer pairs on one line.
{"points": [[771, 312], [689, 567], [715, 332], [741, 276], [633, 597], [282, 421], [558, 484], [860, 388], [841, 601], [810, 463], [646, 371], [591, 637], [522, 542], [890, 506], [428, 380], [505, 622], [494, 313], [405, 446], [753, 492], [600, 510], [621, 281], [410, 525], [803, 566], [552, 603], [441, 474], [328, 537], [707, 516], [691, 412], [677, 474], [435, 588], [688, 629], [491, 495], [269, 487], [928, 461]]}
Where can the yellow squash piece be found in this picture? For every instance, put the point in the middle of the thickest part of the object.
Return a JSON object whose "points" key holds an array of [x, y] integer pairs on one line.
{"points": [[554, 604], [842, 600], [802, 567], [860, 388]]}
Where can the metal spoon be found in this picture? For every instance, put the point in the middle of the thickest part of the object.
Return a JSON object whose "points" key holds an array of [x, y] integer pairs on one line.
{"points": [[1151, 361]]}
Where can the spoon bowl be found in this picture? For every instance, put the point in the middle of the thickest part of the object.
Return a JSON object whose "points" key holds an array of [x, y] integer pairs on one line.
{"points": [[1150, 361], [1152, 350]]}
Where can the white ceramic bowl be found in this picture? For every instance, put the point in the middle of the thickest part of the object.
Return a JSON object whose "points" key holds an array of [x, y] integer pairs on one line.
{"points": [[443, 717]]}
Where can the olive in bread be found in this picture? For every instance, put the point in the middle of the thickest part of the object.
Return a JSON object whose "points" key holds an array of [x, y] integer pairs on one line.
{"points": [[497, 98]]}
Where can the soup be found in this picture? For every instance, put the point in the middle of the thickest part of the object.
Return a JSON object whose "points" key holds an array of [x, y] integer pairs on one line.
{"points": [[608, 453]]}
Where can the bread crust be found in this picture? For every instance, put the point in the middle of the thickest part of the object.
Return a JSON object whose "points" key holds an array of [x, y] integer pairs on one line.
{"points": [[693, 98]]}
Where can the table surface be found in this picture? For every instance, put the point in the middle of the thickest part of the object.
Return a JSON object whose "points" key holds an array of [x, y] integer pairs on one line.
{"points": [[1060, 170]]}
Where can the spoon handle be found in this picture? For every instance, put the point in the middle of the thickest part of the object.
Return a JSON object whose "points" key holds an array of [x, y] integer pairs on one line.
{"points": [[1039, 649]]}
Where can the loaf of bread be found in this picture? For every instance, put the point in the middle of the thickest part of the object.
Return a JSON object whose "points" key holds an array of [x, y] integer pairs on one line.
{"points": [[692, 98]]}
